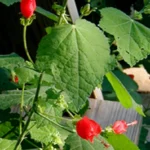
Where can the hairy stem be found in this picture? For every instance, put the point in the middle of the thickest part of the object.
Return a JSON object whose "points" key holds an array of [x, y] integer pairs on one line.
{"points": [[25, 44], [21, 108]]}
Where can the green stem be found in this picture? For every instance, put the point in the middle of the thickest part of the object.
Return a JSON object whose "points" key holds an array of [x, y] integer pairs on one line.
{"points": [[45, 117], [25, 44], [63, 12], [21, 108], [22, 135]]}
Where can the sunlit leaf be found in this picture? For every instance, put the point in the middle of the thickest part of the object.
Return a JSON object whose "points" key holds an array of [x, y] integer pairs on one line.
{"points": [[77, 56], [8, 144], [132, 38], [120, 141]]}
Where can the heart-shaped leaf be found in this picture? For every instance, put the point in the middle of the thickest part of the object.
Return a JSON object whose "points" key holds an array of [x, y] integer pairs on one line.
{"points": [[132, 38], [77, 56]]}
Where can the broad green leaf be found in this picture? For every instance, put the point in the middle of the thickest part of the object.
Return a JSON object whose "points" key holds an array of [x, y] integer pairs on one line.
{"points": [[28, 75], [122, 93], [120, 142], [77, 56], [47, 13], [46, 134], [74, 142], [9, 2], [13, 97], [132, 38], [11, 61], [8, 144]]}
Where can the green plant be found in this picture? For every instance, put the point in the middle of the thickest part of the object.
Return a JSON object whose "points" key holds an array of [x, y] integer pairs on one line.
{"points": [[71, 61]]}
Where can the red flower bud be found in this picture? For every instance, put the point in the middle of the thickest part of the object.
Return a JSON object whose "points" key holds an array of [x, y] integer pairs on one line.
{"points": [[131, 76], [121, 126], [16, 79], [87, 128], [27, 7]]}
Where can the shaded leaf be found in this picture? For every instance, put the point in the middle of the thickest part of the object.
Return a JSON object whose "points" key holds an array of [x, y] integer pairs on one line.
{"points": [[74, 142], [47, 13], [132, 38], [9, 2], [6, 81], [11, 61], [77, 56]]}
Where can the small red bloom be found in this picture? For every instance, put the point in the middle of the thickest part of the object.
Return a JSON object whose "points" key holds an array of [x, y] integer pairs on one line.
{"points": [[131, 76], [16, 79], [27, 7], [121, 126], [87, 128]]}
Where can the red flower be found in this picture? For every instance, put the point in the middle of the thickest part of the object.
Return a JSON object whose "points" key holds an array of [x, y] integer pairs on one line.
{"points": [[87, 128], [131, 76], [121, 126], [27, 7]]}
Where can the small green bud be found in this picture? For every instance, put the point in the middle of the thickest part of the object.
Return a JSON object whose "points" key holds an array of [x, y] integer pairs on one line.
{"points": [[85, 10], [61, 102], [137, 15]]}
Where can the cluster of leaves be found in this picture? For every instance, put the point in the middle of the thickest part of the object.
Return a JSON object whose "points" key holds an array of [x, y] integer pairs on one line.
{"points": [[73, 59]]}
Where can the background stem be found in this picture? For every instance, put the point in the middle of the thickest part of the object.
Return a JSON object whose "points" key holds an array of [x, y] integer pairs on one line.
{"points": [[21, 109], [63, 12], [22, 135]]}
